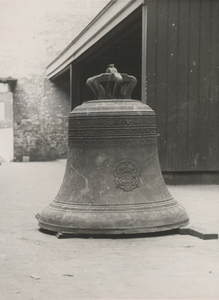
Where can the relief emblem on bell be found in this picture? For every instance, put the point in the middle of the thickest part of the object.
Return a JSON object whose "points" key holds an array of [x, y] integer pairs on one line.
{"points": [[126, 175]]}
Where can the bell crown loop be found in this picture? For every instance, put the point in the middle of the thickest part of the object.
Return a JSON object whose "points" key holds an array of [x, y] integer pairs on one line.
{"points": [[111, 84]]}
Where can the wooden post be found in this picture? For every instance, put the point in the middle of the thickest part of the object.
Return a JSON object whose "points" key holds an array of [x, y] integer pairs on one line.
{"points": [[71, 88]]}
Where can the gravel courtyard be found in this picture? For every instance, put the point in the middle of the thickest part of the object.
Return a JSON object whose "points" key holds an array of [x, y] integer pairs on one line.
{"points": [[36, 265]]}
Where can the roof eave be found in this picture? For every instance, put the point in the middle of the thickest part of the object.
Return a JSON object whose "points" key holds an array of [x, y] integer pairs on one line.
{"points": [[110, 16]]}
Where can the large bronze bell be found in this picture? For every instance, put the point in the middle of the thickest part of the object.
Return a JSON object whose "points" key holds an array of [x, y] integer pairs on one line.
{"points": [[112, 183]]}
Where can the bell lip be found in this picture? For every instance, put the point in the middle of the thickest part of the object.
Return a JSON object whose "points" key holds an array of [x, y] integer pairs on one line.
{"points": [[111, 231], [114, 222]]}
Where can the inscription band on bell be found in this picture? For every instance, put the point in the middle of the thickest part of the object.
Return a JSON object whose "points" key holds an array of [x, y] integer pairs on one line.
{"points": [[122, 142]]}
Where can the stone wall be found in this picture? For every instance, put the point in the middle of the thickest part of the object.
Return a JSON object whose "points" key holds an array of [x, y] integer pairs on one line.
{"points": [[33, 33]]}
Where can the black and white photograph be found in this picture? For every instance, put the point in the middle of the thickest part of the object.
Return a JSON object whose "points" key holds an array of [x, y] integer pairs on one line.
{"points": [[109, 149]]}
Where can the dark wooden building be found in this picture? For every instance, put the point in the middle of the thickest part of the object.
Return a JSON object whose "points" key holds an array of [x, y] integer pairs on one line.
{"points": [[172, 48]]}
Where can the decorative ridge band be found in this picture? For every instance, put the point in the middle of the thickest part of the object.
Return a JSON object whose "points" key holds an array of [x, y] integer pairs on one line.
{"points": [[169, 203], [106, 122], [122, 142], [111, 133]]}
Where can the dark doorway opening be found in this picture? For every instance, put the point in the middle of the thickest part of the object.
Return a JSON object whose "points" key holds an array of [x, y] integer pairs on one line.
{"points": [[122, 47]]}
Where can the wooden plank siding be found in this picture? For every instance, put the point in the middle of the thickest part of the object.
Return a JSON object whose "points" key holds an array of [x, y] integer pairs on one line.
{"points": [[183, 82], [183, 79], [193, 157], [204, 84], [161, 79], [213, 77]]}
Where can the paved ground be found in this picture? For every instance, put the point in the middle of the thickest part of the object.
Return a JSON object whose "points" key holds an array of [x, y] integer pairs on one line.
{"points": [[35, 265]]}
